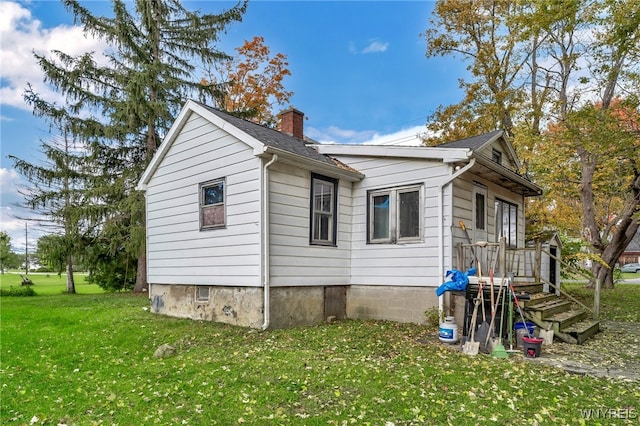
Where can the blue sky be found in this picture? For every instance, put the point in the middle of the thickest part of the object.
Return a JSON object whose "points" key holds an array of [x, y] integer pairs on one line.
{"points": [[359, 71]]}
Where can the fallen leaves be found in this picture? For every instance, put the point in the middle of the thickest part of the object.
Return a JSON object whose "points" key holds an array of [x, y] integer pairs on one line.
{"points": [[351, 372]]}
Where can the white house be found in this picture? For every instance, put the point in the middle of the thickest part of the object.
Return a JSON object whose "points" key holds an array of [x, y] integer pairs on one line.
{"points": [[262, 228]]}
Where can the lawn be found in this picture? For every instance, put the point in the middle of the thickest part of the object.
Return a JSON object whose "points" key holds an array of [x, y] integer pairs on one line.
{"points": [[47, 284], [88, 359]]}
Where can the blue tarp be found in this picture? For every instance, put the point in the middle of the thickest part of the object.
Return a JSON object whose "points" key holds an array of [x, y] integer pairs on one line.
{"points": [[456, 281]]}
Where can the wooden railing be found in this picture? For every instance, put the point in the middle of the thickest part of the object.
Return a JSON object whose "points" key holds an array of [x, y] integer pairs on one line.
{"points": [[524, 264]]}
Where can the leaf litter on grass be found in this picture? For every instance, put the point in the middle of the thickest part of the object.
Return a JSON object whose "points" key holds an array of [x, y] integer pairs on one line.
{"points": [[350, 372]]}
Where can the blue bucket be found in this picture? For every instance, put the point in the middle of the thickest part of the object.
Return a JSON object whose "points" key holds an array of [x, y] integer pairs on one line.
{"points": [[531, 327], [521, 331]]}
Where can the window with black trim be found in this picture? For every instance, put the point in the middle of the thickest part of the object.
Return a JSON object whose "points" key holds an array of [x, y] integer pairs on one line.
{"points": [[480, 211], [395, 215], [507, 222], [496, 156], [324, 198], [212, 204]]}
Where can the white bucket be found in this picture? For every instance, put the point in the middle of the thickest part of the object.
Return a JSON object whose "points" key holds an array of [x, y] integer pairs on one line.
{"points": [[448, 331]]}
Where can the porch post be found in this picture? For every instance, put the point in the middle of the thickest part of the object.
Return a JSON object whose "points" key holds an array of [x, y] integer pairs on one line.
{"points": [[503, 256], [538, 262]]}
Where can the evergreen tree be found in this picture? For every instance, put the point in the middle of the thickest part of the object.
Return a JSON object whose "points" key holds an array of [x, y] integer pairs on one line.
{"points": [[57, 194], [156, 47], [5, 250]]}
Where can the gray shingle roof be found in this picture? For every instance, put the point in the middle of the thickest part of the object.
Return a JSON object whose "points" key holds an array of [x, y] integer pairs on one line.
{"points": [[473, 143], [634, 244], [273, 138]]}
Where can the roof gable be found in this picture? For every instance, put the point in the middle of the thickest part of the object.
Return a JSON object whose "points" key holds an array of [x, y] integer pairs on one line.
{"points": [[484, 144], [270, 137], [260, 138]]}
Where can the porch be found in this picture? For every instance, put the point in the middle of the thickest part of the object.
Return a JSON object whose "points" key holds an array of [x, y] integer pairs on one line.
{"points": [[534, 272]]}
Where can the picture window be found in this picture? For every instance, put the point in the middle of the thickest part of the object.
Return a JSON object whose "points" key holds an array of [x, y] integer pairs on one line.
{"points": [[395, 215]]}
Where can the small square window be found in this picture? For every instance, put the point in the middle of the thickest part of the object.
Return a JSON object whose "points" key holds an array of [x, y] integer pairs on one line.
{"points": [[212, 204], [203, 293]]}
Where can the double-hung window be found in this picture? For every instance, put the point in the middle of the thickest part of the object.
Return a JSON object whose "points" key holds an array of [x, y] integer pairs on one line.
{"points": [[507, 222], [212, 204], [324, 197], [395, 215]]}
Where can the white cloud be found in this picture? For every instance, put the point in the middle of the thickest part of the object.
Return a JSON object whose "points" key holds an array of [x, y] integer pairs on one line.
{"points": [[11, 215], [9, 180], [404, 137], [374, 46], [336, 135], [21, 36]]}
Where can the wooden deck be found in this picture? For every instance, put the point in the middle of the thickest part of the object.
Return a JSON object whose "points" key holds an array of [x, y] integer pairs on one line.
{"points": [[535, 275]]}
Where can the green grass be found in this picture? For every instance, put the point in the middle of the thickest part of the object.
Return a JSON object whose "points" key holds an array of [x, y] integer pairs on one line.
{"points": [[47, 284], [88, 359], [620, 304]]}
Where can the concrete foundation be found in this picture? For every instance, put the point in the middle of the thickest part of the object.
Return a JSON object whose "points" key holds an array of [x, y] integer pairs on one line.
{"points": [[292, 306], [243, 306], [231, 305], [394, 303]]}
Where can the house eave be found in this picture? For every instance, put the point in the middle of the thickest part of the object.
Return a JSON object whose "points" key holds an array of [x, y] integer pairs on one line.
{"points": [[447, 155], [311, 164], [505, 177]]}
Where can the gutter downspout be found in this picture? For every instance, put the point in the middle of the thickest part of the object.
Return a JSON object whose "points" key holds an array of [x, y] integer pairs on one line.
{"points": [[441, 228], [266, 240]]}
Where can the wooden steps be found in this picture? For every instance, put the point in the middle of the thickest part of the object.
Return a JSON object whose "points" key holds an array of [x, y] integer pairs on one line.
{"points": [[548, 311]]}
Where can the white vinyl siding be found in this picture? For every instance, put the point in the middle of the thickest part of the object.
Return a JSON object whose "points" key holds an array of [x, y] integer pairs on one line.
{"points": [[294, 261], [178, 253], [463, 207], [414, 264]]}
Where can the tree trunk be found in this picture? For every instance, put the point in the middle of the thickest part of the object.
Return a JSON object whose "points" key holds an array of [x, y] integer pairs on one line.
{"points": [[141, 275], [71, 286]]}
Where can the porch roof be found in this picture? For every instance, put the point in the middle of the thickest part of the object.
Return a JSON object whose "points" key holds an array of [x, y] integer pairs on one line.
{"points": [[504, 177]]}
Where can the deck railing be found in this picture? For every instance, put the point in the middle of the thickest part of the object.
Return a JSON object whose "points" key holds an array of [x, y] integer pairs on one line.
{"points": [[523, 264]]}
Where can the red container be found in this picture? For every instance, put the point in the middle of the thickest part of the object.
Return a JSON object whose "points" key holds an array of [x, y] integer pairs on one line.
{"points": [[532, 346]]}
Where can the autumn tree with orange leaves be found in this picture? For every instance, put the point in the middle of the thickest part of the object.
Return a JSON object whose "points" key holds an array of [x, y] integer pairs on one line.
{"points": [[251, 84], [562, 79]]}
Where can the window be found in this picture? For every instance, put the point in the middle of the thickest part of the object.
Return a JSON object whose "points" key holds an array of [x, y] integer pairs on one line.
{"points": [[212, 204], [395, 215], [324, 196], [481, 216], [202, 293], [496, 156], [507, 222]]}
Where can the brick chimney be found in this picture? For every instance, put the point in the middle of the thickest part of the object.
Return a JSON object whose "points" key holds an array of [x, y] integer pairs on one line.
{"points": [[291, 122]]}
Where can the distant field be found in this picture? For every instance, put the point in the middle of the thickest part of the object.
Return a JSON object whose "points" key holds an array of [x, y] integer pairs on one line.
{"points": [[48, 284]]}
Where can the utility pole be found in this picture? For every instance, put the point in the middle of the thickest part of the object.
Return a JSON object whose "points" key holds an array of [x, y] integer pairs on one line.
{"points": [[26, 251]]}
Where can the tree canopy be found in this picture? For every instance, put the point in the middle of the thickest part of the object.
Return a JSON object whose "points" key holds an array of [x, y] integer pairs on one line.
{"points": [[57, 192], [562, 79], [251, 84], [122, 109]]}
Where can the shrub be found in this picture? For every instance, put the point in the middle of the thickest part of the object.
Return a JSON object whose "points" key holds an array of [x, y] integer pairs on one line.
{"points": [[432, 316], [21, 291]]}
